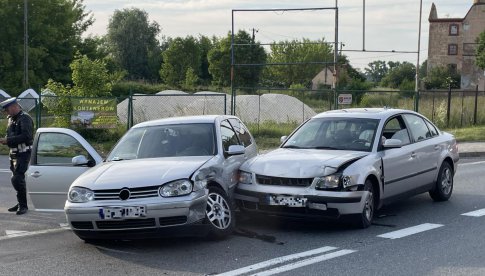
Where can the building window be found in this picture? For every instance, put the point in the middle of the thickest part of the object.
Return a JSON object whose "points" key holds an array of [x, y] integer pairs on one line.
{"points": [[453, 29], [452, 49]]}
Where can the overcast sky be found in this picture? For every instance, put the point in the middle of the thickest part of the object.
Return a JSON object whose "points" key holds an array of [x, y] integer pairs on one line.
{"points": [[390, 24]]}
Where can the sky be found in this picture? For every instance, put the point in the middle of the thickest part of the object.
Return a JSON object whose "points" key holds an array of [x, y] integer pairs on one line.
{"points": [[389, 24]]}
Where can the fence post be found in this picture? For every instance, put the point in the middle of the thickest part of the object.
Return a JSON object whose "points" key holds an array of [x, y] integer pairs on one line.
{"points": [[476, 107], [39, 110], [129, 119], [448, 111], [416, 102]]}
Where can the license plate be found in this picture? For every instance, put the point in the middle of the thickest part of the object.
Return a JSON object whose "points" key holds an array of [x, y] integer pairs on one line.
{"points": [[290, 201], [122, 212]]}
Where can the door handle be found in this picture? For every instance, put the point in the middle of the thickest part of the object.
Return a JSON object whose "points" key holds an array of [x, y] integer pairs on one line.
{"points": [[35, 174], [413, 155], [436, 147]]}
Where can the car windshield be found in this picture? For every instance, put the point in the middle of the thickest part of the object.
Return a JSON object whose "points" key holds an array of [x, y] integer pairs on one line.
{"points": [[335, 134], [165, 141]]}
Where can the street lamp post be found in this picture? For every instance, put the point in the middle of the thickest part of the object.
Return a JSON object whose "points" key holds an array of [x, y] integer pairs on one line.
{"points": [[26, 46]]}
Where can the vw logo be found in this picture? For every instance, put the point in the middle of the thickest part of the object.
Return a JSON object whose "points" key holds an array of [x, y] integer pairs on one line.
{"points": [[124, 194]]}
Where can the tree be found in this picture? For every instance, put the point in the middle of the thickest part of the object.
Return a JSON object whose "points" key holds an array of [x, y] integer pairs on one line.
{"points": [[398, 73], [51, 44], [441, 77], [246, 52], [205, 45], [90, 79], [481, 50], [376, 70], [182, 54], [295, 51], [134, 43]]}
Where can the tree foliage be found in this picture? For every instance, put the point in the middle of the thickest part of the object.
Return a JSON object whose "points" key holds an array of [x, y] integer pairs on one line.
{"points": [[52, 40], [134, 43], [247, 52], [441, 77], [376, 70], [90, 78], [481, 50], [305, 51], [398, 74], [182, 54]]}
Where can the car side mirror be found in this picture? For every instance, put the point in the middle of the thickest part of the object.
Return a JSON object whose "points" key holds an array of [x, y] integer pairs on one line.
{"points": [[236, 150], [81, 160], [283, 138], [392, 143]]}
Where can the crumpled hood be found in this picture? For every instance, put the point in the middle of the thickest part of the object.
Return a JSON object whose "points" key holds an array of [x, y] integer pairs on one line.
{"points": [[299, 163], [139, 172]]}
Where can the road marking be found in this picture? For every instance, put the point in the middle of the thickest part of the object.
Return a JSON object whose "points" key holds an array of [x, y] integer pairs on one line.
{"points": [[5, 171], [476, 213], [33, 233], [410, 231], [14, 232], [305, 262], [472, 163], [276, 261]]}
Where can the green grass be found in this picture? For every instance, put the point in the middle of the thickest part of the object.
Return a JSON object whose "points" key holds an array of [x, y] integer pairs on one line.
{"points": [[468, 134]]}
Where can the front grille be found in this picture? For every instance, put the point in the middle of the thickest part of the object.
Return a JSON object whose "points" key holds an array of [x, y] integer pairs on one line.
{"points": [[281, 181], [82, 225], [172, 220], [126, 224], [114, 194]]}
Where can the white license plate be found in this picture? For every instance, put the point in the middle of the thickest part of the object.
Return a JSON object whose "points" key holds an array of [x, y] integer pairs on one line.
{"points": [[290, 201], [122, 212]]}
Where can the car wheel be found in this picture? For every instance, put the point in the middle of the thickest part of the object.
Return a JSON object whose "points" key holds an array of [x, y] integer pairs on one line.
{"points": [[364, 219], [219, 213], [444, 184]]}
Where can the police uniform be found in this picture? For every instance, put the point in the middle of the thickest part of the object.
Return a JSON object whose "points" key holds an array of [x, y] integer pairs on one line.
{"points": [[19, 139]]}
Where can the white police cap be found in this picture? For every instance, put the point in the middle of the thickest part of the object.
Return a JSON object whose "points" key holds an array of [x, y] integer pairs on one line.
{"points": [[8, 102]]}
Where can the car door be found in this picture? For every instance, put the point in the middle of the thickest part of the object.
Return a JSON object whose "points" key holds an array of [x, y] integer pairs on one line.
{"points": [[51, 169], [427, 151], [399, 164]]}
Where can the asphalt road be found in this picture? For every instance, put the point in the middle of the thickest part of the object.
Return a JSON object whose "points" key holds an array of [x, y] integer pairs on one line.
{"points": [[433, 239]]}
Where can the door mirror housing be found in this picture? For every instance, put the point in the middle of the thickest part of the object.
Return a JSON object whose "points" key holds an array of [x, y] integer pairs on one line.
{"points": [[236, 150], [392, 143]]}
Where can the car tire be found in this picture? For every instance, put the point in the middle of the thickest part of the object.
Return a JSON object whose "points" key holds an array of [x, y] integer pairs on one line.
{"points": [[444, 184], [219, 214], [364, 219]]}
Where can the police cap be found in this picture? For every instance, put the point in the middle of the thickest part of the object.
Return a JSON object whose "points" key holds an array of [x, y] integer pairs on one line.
{"points": [[8, 102]]}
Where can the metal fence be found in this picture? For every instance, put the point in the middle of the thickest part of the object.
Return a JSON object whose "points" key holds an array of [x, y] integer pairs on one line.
{"points": [[446, 108]]}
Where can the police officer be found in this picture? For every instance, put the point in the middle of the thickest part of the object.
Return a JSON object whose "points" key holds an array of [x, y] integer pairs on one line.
{"points": [[19, 139]]}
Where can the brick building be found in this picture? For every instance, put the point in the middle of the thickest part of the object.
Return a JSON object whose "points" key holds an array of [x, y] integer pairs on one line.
{"points": [[452, 43]]}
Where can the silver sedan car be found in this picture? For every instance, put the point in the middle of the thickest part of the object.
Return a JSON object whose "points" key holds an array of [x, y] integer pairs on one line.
{"points": [[349, 163], [172, 175]]}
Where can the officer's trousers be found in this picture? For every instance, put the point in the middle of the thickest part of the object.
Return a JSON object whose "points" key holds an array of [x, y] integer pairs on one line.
{"points": [[19, 163]]}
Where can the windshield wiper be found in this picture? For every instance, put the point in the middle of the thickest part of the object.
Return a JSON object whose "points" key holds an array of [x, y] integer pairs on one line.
{"points": [[293, 147], [329, 148]]}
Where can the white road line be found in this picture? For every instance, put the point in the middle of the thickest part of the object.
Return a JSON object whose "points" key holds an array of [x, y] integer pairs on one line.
{"points": [[305, 262], [410, 231], [276, 261], [476, 213], [5, 171], [33, 233], [472, 163]]}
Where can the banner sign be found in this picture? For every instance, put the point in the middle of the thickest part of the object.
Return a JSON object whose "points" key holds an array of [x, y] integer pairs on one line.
{"points": [[94, 113]]}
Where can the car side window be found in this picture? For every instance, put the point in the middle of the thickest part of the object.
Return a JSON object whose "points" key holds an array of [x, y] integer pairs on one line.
{"points": [[419, 130], [241, 131], [58, 149], [396, 129], [432, 128], [228, 135]]}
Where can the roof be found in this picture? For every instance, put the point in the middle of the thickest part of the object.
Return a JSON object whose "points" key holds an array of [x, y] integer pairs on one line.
{"points": [[184, 120], [372, 113]]}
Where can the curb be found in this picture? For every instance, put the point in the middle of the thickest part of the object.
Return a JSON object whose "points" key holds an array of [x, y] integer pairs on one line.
{"points": [[471, 154]]}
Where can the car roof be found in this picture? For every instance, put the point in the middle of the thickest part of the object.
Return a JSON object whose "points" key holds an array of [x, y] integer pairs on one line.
{"points": [[185, 120], [371, 113]]}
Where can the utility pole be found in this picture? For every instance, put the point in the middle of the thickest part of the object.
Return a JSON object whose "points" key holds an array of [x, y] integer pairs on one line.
{"points": [[254, 31], [26, 46]]}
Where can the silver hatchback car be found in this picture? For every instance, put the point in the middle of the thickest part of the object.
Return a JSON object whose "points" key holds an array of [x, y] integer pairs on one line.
{"points": [[349, 163], [172, 175]]}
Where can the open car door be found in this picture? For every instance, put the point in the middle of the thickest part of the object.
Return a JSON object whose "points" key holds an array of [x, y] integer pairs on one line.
{"points": [[59, 156]]}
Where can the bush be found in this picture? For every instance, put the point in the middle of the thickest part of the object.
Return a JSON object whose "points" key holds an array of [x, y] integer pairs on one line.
{"points": [[124, 88]]}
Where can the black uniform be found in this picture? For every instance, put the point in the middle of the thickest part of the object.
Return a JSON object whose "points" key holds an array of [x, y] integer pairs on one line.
{"points": [[19, 139]]}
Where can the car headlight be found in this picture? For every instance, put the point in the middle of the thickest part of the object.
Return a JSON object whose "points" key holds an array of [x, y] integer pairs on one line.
{"points": [[176, 188], [245, 177], [333, 182], [80, 194]]}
